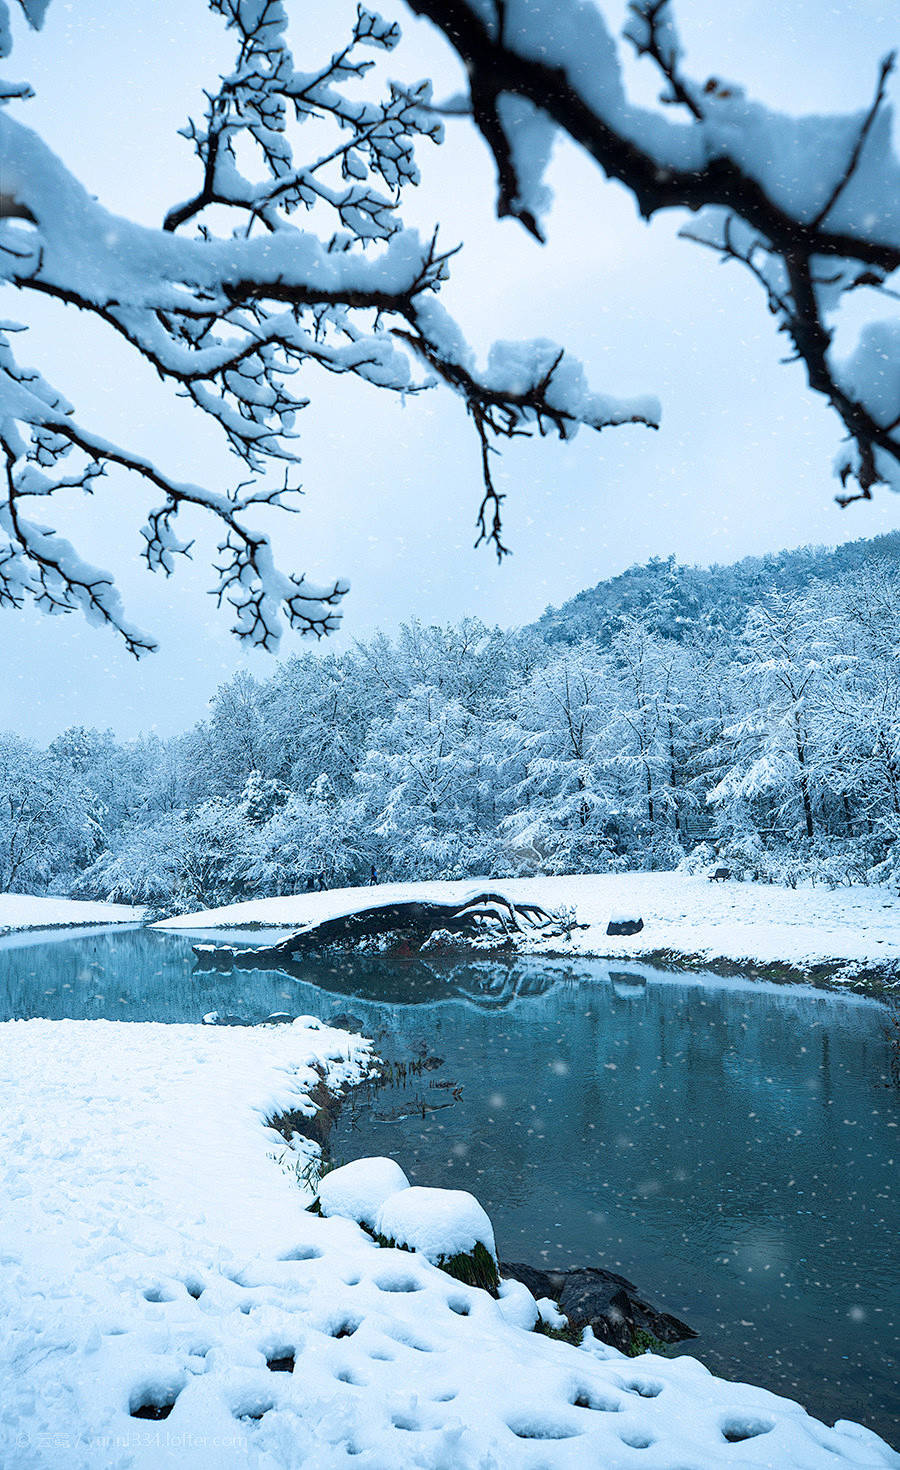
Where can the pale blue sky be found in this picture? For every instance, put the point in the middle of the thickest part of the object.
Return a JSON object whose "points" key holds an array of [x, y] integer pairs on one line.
{"points": [[741, 465]]}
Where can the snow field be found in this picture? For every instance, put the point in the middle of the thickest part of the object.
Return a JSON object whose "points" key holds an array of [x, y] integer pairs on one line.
{"points": [[23, 911], [156, 1260], [681, 912]]}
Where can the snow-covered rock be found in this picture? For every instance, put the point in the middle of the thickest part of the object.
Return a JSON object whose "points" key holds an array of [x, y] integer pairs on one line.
{"points": [[438, 1222], [624, 923], [358, 1190]]}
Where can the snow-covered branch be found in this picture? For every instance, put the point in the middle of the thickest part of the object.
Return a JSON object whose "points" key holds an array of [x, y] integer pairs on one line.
{"points": [[313, 266], [810, 204]]}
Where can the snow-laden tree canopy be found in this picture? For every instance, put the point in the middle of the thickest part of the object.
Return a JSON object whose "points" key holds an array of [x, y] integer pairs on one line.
{"points": [[291, 254]]}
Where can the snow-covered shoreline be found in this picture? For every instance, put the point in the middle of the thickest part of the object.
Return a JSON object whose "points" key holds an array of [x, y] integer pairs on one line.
{"points": [[20, 912], [848, 931], [155, 1253]]}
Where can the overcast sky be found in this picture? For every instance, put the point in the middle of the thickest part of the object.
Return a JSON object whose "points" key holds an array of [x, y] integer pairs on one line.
{"points": [[741, 465]]}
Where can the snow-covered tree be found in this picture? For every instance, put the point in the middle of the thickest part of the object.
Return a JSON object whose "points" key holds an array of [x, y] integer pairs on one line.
{"points": [[232, 743], [858, 718], [775, 743], [316, 712], [310, 838], [645, 742], [182, 860], [112, 777], [417, 796], [143, 865], [260, 799], [561, 802], [50, 824], [291, 253]]}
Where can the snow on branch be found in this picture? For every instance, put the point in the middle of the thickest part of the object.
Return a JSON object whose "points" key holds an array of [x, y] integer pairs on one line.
{"points": [[312, 268], [810, 205]]}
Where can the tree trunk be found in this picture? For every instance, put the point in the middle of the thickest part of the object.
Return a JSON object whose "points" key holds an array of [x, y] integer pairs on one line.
{"points": [[673, 777], [804, 780]]}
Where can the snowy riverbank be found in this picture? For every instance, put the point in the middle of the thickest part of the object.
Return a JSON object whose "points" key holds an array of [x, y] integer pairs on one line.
{"points": [[155, 1253], [847, 929], [20, 911]]}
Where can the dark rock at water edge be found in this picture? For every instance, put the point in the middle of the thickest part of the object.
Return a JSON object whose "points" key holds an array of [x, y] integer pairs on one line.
{"points": [[224, 1018], [624, 926], [346, 1021], [485, 921], [609, 1304]]}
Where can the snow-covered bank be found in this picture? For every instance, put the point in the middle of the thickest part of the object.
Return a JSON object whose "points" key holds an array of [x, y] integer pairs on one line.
{"points": [[154, 1252], [24, 911], [741, 922]]}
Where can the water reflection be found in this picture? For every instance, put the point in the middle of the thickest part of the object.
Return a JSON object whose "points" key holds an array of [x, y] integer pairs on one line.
{"points": [[731, 1148], [143, 975]]}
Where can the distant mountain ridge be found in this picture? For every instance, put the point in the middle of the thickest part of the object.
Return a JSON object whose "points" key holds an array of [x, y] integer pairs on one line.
{"points": [[680, 600]]}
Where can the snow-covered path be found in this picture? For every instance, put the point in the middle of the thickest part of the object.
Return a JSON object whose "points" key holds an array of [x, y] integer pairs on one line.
{"points": [[154, 1252], [686, 914]]}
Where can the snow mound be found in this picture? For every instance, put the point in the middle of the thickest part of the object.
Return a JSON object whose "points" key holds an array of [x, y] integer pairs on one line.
{"points": [[357, 1191], [517, 1306], [549, 1313], [440, 1223]]}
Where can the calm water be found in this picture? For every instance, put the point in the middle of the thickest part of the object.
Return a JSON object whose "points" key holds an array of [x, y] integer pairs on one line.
{"points": [[731, 1148]]}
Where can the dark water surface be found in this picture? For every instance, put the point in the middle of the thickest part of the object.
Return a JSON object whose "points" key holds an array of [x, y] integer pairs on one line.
{"points": [[730, 1147]]}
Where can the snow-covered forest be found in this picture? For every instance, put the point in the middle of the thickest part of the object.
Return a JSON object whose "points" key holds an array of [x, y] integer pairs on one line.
{"points": [[747, 716]]}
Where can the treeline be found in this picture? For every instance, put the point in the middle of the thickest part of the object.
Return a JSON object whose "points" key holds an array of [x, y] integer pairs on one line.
{"points": [[769, 743]]}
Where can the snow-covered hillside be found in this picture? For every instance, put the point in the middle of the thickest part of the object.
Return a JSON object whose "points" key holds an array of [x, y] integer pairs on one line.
{"points": [[156, 1257]]}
